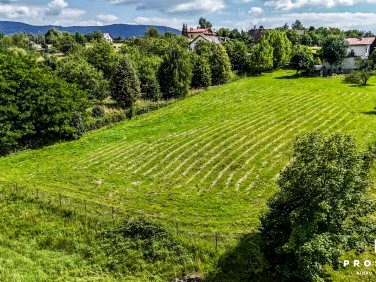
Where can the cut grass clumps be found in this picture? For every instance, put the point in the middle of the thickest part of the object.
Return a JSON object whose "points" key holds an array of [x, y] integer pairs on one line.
{"points": [[41, 241]]}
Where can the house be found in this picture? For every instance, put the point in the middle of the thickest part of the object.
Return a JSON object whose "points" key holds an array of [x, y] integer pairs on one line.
{"points": [[256, 33], [214, 39], [194, 33], [108, 38], [358, 48]]}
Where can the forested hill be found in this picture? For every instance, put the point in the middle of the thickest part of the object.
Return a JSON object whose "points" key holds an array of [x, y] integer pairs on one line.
{"points": [[123, 30]]}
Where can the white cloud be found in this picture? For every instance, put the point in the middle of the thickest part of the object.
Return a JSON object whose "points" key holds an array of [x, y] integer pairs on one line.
{"points": [[340, 20], [296, 4], [56, 7], [170, 22], [176, 6], [256, 10], [106, 18], [198, 6]]}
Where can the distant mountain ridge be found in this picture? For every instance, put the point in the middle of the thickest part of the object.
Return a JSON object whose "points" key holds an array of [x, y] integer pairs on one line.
{"points": [[123, 30]]}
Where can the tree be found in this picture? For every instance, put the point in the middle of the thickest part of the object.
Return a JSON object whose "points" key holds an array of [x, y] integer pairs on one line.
{"points": [[88, 78], [334, 50], [220, 65], [320, 209], [174, 74], [103, 57], [184, 31], [262, 56], [152, 32], [297, 25], [95, 35], [203, 23], [51, 35], [238, 54], [281, 47], [125, 85], [201, 73], [37, 107], [302, 58], [65, 42]]}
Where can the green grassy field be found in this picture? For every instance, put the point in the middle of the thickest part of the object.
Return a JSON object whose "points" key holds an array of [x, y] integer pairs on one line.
{"points": [[209, 162]]}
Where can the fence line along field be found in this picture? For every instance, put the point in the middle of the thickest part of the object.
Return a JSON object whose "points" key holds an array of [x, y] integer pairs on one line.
{"points": [[208, 162]]}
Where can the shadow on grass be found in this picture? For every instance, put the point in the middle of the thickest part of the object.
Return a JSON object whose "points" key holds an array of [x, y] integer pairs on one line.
{"points": [[244, 262], [369, 112], [294, 76]]}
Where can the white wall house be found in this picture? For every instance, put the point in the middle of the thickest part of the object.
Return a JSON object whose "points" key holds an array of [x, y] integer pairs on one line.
{"points": [[358, 48], [108, 38], [214, 39]]}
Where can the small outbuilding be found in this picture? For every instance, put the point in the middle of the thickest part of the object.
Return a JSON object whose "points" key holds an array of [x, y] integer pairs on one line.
{"points": [[320, 70]]}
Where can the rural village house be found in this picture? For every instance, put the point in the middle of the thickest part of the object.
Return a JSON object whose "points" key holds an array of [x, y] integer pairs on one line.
{"points": [[108, 38], [358, 48], [195, 35]]}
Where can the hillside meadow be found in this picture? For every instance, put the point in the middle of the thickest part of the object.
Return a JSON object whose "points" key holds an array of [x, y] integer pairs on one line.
{"points": [[205, 164]]}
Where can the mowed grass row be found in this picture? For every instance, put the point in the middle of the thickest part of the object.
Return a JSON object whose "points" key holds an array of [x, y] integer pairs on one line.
{"points": [[208, 162]]}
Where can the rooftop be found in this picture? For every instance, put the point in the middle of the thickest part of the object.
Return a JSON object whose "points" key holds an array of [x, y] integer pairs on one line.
{"points": [[361, 41]]}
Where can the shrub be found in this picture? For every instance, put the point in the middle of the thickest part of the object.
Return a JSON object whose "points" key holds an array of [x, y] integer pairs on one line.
{"points": [[78, 124], [98, 111]]}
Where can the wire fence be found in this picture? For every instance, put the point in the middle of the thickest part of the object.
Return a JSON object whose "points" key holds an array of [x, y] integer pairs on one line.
{"points": [[98, 214]]}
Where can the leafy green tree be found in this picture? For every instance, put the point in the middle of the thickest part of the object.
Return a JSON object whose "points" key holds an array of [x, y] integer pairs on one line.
{"points": [[262, 56], [174, 74], [95, 35], [220, 65], [125, 85], [41, 40], [238, 54], [204, 48], [37, 107], [51, 35], [297, 25], [302, 59], [201, 72], [203, 23], [152, 32], [321, 209], [281, 47], [65, 42], [80, 38], [334, 50], [223, 32], [77, 70], [184, 31], [103, 57]]}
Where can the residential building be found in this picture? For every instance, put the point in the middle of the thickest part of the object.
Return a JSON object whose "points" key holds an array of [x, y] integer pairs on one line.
{"points": [[108, 38], [194, 33], [358, 48]]}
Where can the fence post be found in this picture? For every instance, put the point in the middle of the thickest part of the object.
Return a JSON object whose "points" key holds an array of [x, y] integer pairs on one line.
{"points": [[216, 241]]}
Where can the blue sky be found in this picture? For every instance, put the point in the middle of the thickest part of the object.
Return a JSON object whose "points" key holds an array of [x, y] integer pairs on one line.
{"points": [[241, 14]]}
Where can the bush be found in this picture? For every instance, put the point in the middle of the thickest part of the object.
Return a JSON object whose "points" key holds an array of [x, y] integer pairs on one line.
{"points": [[359, 77], [78, 124], [98, 111]]}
